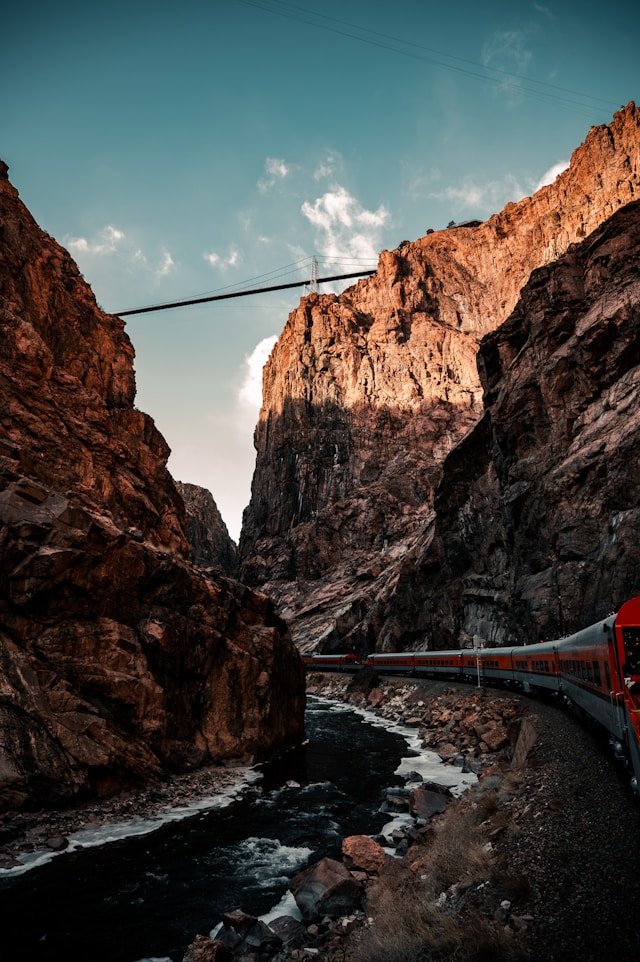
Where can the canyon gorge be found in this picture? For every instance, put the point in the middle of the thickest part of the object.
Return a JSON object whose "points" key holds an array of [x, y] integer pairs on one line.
{"points": [[374, 412], [445, 452]]}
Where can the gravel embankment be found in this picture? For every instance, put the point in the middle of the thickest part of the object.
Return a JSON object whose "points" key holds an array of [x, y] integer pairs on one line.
{"points": [[580, 848], [570, 836]]}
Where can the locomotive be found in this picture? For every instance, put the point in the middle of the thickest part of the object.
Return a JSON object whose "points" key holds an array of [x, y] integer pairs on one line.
{"points": [[596, 669]]}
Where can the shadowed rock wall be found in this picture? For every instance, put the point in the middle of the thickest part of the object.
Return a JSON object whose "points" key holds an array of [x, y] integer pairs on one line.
{"points": [[207, 534], [119, 659], [537, 518]]}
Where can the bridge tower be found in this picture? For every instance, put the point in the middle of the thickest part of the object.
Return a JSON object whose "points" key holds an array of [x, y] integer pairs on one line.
{"points": [[313, 284]]}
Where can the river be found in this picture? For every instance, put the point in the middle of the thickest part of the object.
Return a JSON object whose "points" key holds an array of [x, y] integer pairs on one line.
{"points": [[147, 896]]}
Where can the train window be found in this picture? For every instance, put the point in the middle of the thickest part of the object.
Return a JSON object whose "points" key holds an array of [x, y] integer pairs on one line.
{"points": [[596, 674], [607, 675], [631, 639]]}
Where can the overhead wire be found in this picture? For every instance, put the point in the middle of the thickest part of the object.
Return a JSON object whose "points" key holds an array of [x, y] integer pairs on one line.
{"points": [[539, 95], [441, 53]]}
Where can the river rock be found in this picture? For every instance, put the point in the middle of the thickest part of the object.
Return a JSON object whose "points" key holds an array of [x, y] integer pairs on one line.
{"points": [[203, 949], [360, 852], [423, 803], [495, 738], [292, 932], [57, 843], [244, 933], [326, 888]]}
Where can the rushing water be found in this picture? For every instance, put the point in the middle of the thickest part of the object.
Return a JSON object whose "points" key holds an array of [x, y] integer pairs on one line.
{"points": [[148, 896]]}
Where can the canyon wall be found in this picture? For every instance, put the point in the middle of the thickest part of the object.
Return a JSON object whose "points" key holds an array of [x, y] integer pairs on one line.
{"points": [[119, 659], [366, 393], [536, 530], [207, 534]]}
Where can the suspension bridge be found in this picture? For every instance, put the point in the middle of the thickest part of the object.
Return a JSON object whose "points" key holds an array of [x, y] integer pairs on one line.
{"points": [[311, 283]]}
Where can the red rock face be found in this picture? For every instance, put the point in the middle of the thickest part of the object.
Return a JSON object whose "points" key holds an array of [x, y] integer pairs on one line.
{"points": [[209, 541], [68, 387], [119, 659], [537, 525], [365, 394]]}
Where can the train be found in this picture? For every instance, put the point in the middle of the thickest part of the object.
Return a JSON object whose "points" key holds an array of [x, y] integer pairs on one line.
{"points": [[596, 669]]}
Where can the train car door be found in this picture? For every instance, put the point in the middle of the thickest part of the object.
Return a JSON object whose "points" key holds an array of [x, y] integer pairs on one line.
{"points": [[627, 628]]}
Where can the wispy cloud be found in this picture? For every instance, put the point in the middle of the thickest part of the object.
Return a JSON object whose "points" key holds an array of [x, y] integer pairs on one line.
{"points": [[106, 241], [328, 165], [550, 175], [346, 228], [250, 392], [544, 11], [166, 265], [276, 170], [473, 197], [507, 50], [110, 241], [231, 259]]}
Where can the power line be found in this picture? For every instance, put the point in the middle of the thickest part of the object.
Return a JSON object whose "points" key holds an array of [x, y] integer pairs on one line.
{"points": [[245, 293], [541, 96], [440, 53]]}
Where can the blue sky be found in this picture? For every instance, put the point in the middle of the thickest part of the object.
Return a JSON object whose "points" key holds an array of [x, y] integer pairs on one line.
{"points": [[179, 149]]}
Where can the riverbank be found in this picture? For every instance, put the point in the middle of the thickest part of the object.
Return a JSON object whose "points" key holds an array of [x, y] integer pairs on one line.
{"points": [[537, 862], [30, 838]]}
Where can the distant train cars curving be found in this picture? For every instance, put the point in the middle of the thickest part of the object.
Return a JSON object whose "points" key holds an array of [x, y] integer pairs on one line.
{"points": [[596, 669]]}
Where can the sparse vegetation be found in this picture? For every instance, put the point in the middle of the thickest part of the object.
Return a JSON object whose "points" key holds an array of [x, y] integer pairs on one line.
{"points": [[439, 906]]}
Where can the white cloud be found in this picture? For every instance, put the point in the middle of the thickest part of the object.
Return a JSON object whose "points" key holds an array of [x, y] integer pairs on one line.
{"points": [[110, 242], [473, 197], [328, 165], [550, 175], [106, 241], [276, 170], [232, 259], [276, 167], [506, 50], [166, 265], [345, 228], [544, 11], [250, 392]]}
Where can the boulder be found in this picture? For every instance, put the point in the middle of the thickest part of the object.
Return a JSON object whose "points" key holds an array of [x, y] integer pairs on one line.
{"points": [[293, 933], [495, 738], [203, 949], [326, 888], [424, 803], [244, 933], [360, 852]]}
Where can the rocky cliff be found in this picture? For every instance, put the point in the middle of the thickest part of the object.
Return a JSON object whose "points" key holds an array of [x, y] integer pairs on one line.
{"points": [[365, 394], [119, 659], [207, 534], [537, 519]]}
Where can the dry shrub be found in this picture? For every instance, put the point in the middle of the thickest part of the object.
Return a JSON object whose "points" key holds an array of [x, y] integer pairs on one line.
{"points": [[457, 853], [410, 927], [488, 804]]}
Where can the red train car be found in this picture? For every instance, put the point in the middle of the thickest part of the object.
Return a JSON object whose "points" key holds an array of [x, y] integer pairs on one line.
{"points": [[330, 662]]}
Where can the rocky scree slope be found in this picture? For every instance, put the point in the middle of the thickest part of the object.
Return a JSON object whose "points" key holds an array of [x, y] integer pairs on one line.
{"points": [[365, 394], [207, 534], [537, 519], [119, 659]]}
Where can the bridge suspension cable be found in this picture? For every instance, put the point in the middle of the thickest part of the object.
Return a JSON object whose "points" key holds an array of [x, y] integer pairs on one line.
{"points": [[312, 282]]}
